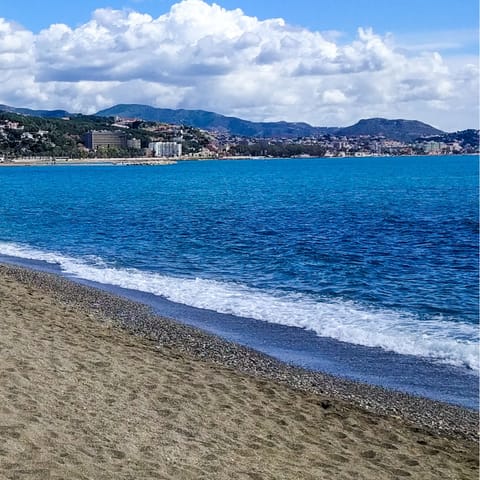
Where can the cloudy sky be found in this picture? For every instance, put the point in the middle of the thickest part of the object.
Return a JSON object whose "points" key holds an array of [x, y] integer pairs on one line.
{"points": [[326, 62]]}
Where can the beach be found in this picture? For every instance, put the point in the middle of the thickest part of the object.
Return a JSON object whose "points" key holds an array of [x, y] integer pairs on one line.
{"points": [[93, 386], [42, 162]]}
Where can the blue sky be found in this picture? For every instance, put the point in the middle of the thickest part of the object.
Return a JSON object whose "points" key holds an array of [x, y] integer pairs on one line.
{"points": [[398, 16], [418, 54]]}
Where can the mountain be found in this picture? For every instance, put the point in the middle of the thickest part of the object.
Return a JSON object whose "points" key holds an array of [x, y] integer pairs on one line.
{"points": [[401, 130], [214, 121], [35, 113]]}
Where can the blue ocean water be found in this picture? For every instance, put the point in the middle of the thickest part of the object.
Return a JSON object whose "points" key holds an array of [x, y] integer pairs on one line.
{"points": [[350, 265]]}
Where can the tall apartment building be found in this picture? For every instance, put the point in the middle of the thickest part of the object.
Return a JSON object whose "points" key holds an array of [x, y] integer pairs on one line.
{"points": [[166, 149], [104, 138]]}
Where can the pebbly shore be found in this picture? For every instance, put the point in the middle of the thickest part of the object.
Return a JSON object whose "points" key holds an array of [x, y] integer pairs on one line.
{"points": [[435, 417]]}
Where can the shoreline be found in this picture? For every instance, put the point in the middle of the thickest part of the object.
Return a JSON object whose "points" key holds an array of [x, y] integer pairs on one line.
{"points": [[149, 161], [96, 386], [139, 319], [75, 162]]}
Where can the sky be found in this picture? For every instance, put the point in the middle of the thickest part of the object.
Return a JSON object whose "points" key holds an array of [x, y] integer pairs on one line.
{"points": [[325, 62]]}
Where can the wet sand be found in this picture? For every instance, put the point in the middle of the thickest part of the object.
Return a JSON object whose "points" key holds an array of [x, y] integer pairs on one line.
{"points": [[82, 397]]}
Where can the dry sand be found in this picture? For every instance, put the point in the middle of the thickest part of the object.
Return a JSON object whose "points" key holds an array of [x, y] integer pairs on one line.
{"points": [[83, 399]]}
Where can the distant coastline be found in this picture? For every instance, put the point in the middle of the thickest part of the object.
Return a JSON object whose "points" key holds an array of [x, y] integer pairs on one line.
{"points": [[145, 161], [26, 139], [88, 161]]}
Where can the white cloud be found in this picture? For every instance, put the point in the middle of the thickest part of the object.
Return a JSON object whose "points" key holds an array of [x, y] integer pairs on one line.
{"points": [[334, 97], [200, 55]]}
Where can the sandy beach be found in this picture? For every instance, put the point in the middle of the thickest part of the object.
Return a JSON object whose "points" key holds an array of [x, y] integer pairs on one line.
{"points": [[96, 387]]}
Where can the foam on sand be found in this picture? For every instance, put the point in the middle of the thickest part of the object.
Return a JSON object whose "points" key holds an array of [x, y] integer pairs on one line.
{"points": [[438, 339]]}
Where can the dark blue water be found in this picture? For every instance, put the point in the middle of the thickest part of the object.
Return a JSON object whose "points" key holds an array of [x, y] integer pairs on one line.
{"points": [[381, 253]]}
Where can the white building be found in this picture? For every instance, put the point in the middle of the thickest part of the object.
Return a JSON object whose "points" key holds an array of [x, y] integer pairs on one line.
{"points": [[433, 148], [166, 149]]}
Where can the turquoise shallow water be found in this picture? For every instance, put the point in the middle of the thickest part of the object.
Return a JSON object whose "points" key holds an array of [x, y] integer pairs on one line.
{"points": [[375, 253]]}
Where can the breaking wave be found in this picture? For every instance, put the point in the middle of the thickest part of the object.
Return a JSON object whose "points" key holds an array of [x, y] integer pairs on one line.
{"points": [[437, 339]]}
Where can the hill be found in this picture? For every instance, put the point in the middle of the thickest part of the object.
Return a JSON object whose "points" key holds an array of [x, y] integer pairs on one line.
{"points": [[24, 135], [465, 138], [214, 121], [32, 135], [400, 130], [36, 113]]}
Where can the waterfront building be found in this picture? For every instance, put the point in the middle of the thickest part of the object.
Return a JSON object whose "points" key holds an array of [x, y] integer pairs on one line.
{"points": [[104, 139], [166, 149]]}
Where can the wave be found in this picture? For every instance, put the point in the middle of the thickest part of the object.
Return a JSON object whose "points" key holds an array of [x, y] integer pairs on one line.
{"points": [[437, 339]]}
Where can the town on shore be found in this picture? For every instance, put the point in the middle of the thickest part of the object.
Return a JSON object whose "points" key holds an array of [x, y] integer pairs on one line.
{"points": [[26, 139]]}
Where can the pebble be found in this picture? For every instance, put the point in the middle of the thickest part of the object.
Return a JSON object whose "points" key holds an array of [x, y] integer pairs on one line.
{"points": [[436, 417]]}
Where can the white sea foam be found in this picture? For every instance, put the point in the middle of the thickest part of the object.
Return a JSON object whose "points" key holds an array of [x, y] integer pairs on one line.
{"points": [[441, 340]]}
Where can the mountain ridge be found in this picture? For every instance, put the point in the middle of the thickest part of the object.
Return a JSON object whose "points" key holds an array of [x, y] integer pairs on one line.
{"points": [[36, 113], [215, 121], [393, 129]]}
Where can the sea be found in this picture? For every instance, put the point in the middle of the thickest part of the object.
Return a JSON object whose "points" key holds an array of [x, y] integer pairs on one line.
{"points": [[365, 268]]}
